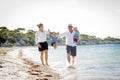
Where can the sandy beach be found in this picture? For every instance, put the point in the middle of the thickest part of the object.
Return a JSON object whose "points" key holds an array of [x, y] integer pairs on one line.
{"points": [[18, 68]]}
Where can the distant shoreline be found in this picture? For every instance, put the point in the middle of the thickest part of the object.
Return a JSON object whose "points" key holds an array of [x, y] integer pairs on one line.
{"points": [[17, 37], [51, 46]]}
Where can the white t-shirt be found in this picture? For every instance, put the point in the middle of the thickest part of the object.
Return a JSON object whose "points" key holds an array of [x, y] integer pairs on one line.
{"points": [[40, 36], [69, 38]]}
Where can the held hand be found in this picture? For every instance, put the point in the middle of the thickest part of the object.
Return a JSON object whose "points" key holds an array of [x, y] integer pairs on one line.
{"points": [[49, 30], [39, 45], [76, 38], [57, 33]]}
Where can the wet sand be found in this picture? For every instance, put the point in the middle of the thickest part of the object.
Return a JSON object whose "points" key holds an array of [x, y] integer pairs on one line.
{"points": [[18, 68]]}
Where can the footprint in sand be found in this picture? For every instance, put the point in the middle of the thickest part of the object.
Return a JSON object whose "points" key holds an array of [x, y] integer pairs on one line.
{"points": [[71, 67], [48, 76], [1, 66]]}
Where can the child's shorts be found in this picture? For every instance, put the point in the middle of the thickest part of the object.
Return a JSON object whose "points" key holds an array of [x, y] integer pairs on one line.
{"points": [[76, 40], [53, 43]]}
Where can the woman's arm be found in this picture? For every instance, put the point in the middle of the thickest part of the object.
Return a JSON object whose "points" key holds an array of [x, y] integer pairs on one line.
{"points": [[49, 32], [36, 40]]}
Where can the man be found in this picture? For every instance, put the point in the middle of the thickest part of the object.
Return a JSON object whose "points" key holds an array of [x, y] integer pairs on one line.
{"points": [[41, 41], [70, 44]]}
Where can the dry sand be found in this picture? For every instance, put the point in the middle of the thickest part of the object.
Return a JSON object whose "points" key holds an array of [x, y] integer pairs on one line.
{"points": [[18, 68]]}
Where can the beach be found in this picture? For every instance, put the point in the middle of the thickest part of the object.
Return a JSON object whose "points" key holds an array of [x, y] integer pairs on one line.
{"points": [[93, 62], [18, 68]]}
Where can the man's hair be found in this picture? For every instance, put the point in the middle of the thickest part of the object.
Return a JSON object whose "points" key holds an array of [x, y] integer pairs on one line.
{"points": [[39, 25], [70, 25]]}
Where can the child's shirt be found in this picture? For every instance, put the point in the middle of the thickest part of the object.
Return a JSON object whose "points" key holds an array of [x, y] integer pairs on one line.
{"points": [[77, 33], [53, 39]]}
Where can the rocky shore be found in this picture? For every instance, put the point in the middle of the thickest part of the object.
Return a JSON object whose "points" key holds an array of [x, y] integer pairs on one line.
{"points": [[18, 68]]}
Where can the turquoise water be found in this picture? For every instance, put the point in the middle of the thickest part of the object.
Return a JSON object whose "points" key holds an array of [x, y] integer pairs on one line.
{"points": [[93, 62]]}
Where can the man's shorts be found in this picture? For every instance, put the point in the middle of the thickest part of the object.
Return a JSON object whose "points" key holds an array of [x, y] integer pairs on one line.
{"points": [[44, 46], [71, 50]]}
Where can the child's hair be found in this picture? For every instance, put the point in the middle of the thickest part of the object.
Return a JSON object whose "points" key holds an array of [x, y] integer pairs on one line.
{"points": [[53, 33], [39, 25], [75, 28]]}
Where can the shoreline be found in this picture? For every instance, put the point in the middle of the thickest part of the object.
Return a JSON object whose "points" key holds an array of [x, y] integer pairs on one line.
{"points": [[17, 68]]}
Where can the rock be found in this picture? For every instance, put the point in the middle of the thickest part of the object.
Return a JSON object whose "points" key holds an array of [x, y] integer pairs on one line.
{"points": [[37, 70], [35, 66], [34, 73], [42, 79], [22, 42], [17, 44], [1, 66], [1, 62], [48, 75], [45, 79], [30, 63], [6, 43]]}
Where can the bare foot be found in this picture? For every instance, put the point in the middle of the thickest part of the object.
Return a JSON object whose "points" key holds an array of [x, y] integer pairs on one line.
{"points": [[43, 64], [47, 64], [54, 47]]}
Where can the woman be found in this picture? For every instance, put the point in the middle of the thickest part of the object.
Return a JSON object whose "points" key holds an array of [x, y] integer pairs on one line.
{"points": [[41, 41]]}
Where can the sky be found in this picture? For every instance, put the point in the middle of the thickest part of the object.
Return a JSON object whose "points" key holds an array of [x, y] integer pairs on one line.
{"points": [[100, 18]]}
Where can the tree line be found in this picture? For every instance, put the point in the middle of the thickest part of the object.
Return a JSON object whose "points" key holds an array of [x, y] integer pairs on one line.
{"points": [[18, 37]]}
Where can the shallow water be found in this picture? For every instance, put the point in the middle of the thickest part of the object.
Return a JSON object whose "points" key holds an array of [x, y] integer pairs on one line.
{"points": [[93, 62]]}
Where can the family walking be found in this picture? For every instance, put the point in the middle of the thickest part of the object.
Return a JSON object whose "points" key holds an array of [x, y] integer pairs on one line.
{"points": [[72, 37]]}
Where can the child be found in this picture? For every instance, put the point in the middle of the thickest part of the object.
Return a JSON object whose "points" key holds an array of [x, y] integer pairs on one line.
{"points": [[53, 38], [77, 34]]}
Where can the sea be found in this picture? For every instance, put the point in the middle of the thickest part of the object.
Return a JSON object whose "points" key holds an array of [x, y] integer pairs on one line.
{"points": [[93, 62]]}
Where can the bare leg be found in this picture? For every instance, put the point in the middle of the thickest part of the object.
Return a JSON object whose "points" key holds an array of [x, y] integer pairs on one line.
{"points": [[41, 57], [72, 60], [68, 58], [55, 46], [46, 57]]}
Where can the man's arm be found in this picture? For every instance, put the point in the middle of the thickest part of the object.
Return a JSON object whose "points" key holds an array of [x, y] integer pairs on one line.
{"points": [[62, 35]]}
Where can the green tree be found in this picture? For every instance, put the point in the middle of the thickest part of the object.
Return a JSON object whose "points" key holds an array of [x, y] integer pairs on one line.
{"points": [[29, 37], [3, 34], [111, 38]]}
